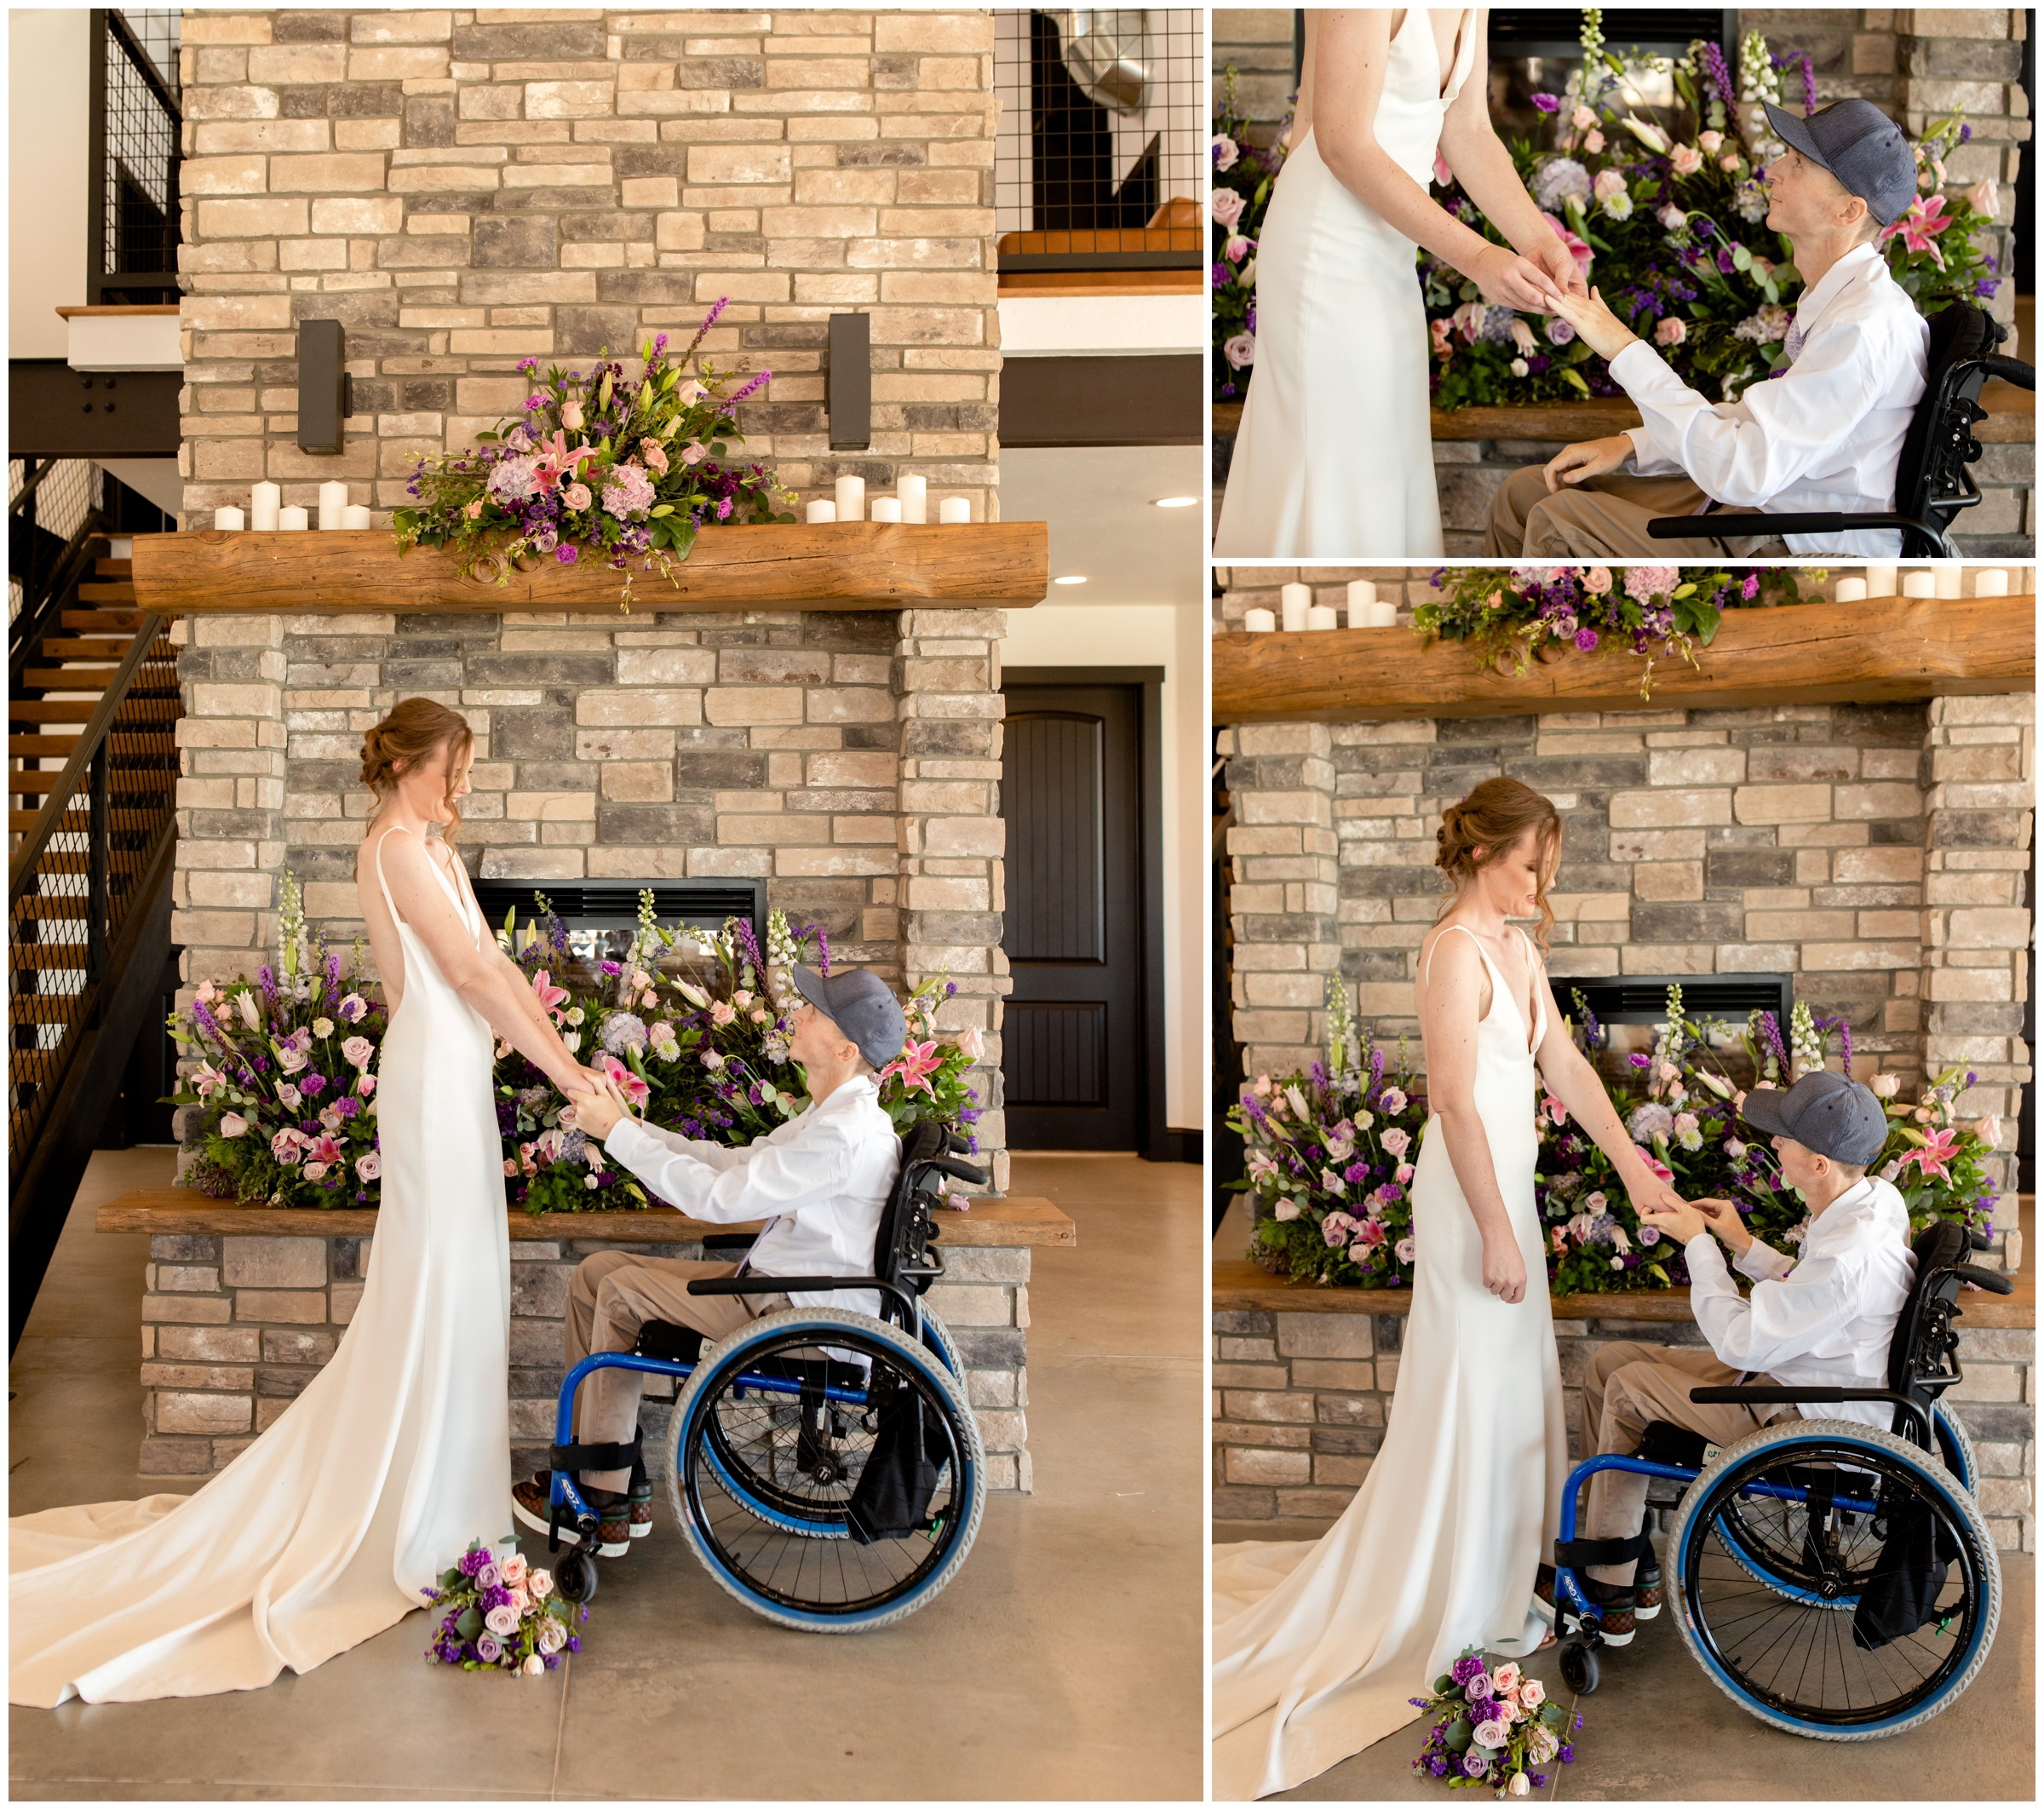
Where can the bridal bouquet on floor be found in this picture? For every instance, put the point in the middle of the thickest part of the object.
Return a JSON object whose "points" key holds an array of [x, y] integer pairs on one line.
{"points": [[1667, 215], [500, 1614], [602, 464], [1494, 1725]]}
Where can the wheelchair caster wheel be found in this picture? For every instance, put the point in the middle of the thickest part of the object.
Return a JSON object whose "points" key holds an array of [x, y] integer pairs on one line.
{"points": [[1579, 1668], [575, 1576]]}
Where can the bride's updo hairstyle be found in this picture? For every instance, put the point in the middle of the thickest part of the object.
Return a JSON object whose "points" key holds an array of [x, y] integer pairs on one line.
{"points": [[1493, 817], [412, 732]]}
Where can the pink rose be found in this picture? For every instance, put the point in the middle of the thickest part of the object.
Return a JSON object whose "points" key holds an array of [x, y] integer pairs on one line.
{"points": [[1227, 207], [1504, 1678], [1240, 351], [1608, 182], [473, 510], [1671, 330], [571, 417], [654, 454], [365, 1085], [1225, 151], [1983, 198], [1392, 1101], [1337, 1227], [1709, 142], [357, 1051], [694, 453], [1685, 160], [510, 1165], [1404, 1251], [285, 1146], [721, 1012], [502, 1621], [971, 1043], [1404, 1173], [513, 1569], [1593, 143], [1398, 1141], [233, 1124], [1583, 119], [1988, 1131], [1729, 164], [369, 1165], [1533, 1693], [1235, 249], [315, 1171], [577, 497]]}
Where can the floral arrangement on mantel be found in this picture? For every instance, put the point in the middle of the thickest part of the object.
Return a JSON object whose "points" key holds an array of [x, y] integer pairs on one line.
{"points": [[1331, 1152], [602, 466], [1670, 224], [1516, 615], [1244, 177], [1492, 1726], [286, 1077]]}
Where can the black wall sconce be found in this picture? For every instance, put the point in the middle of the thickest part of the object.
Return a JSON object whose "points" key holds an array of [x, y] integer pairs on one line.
{"points": [[325, 399], [848, 382]]}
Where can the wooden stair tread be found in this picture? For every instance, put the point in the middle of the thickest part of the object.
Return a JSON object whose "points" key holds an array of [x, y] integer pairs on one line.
{"points": [[36, 747], [48, 955], [93, 648], [120, 592], [51, 709], [130, 620], [43, 1008], [114, 568]]}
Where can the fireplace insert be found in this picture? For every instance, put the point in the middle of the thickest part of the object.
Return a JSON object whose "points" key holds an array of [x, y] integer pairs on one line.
{"points": [[600, 916], [1629, 1006]]}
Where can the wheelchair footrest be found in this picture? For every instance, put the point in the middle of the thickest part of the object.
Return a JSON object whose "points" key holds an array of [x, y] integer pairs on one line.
{"points": [[1576, 1552]]}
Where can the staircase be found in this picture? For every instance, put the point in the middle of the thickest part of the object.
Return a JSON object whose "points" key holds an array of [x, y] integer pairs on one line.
{"points": [[93, 707]]}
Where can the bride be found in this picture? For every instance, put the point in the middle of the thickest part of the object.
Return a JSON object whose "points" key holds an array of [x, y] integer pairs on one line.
{"points": [[325, 1530], [1317, 1647], [1335, 459]]}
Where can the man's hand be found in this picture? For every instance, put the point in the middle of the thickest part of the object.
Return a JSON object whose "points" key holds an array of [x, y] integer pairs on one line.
{"points": [[1586, 459], [1725, 1221], [1598, 326], [596, 1112], [1681, 1220]]}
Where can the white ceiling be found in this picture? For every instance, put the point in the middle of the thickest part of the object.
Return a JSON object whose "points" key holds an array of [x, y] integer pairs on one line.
{"points": [[1104, 521]]}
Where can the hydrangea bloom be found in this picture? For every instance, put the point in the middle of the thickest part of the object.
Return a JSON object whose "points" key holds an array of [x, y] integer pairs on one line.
{"points": [[1558, 180], [629, 492]]}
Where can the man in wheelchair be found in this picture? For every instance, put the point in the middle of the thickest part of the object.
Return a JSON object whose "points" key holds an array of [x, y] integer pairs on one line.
{"points": [[1825, 1319], [820, 1181]]}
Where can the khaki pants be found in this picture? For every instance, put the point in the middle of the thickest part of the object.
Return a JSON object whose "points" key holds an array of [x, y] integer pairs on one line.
{"points": [[1607, 517], [1625, 1386], [614, 1293]]}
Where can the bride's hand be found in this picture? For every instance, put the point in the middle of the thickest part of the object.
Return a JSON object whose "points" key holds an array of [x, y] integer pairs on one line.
{"points": [[1505, 279], [1505, 1270], [1562, 271]]}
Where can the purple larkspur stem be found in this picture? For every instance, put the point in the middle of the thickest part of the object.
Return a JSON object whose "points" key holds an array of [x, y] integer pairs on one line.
{"points": [[757, 381]]}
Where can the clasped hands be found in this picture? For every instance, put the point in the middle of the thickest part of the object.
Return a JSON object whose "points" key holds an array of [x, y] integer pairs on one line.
{"points": [[1684, 1220], [598, 1102]]}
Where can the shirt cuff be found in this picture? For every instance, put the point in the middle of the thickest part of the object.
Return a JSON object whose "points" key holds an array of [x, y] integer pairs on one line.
{"points": [[1709, 1244]]}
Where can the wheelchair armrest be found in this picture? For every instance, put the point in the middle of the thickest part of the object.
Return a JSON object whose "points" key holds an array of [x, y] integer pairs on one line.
{"points": [[958, 1171], [1992, 1281], [755, 1284], [1682, 527], [2011, 370], [1769, 1393]]}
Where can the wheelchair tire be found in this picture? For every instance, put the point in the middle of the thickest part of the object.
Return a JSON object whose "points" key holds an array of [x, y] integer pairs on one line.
{"points": [[1579, 1668], [575, 1576], [938, 1336], [1955, 1448], [802, 1577], [1706, 1598]]}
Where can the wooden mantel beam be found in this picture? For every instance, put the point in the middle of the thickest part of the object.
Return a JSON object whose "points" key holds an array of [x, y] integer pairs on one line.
{"points": [[837, 565], [1883, 651]]}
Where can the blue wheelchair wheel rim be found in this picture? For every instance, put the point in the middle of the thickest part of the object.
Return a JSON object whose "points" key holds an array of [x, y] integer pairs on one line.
{"points": [[1950, 1677], [963, 1473]]}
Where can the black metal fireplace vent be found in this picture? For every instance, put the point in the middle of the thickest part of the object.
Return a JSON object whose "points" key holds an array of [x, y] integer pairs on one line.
{"points": [[1642, 999], [613, 905]]}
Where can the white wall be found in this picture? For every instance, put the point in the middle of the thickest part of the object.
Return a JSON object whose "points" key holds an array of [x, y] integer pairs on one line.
{"points": [[1175, 638], [46, 171]]}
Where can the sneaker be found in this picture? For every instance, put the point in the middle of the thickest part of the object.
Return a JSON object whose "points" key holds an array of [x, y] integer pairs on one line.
{"points": [[530, 1503], [1616, 1614], [1646, 1589], [1544, 1593], [638, 1500]]}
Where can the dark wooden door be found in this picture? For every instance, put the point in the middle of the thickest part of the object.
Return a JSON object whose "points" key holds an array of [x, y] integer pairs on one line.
{"points": [[1072, 1046]]}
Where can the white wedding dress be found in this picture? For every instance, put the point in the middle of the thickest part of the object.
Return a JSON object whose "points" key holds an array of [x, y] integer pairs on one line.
{"points": [[1335, 457], [1318, 1647], [394, 1457]]}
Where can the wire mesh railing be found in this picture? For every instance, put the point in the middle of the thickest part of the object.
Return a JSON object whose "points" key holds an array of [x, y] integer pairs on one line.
{"points": [[55, 508], [136, 126], [93, 834], [1099, 154]]}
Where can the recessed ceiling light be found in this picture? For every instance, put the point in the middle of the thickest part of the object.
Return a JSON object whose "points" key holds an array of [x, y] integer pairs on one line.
{"points": [[1174, 503], [1068, 581]]}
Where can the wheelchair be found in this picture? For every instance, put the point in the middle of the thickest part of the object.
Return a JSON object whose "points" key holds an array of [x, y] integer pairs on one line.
{"points": [[1932, 482], [1834, 1579], [823, 1466]]}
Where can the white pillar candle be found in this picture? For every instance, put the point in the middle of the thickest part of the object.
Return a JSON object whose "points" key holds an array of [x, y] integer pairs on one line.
{"points": [[263, 506], [1851, 590], [851, 499], [1992, 582], [1880, 581], [1950, 580], [822, 510], [1258, 622], [1362, 599], [1295, 599], [1382, 615], [954, 508], [914, 491], [884, 509], [294, 517], [1919, 585], [229, 517], [1323, 616], [355, 515], [333, 502]]}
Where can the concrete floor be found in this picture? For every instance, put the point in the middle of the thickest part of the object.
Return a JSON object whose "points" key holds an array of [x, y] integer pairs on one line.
{"points": [[1657, 1729], [1064, 1661]]}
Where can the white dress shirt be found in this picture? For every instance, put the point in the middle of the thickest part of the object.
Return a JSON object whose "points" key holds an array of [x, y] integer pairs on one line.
{"points": [[1822, 433], [1826, 1318], [822, 1179]]}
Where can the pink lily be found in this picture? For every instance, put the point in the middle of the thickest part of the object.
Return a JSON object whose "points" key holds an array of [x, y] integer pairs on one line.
{"points": [[1939, 1147], [916, 1063], [633, 1089], [550, 994], [555, 462], [1924, 219]]}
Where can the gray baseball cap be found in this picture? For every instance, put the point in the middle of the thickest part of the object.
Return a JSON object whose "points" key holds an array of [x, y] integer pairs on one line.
{"points": [[1833, 1116], [861, 1005], [1860, 146]]}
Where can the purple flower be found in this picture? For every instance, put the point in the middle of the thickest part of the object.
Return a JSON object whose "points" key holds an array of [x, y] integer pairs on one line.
{"points": [[312, 1086], [1586, 639], [565, 552], [1356, 1172], [1547, 103]]}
